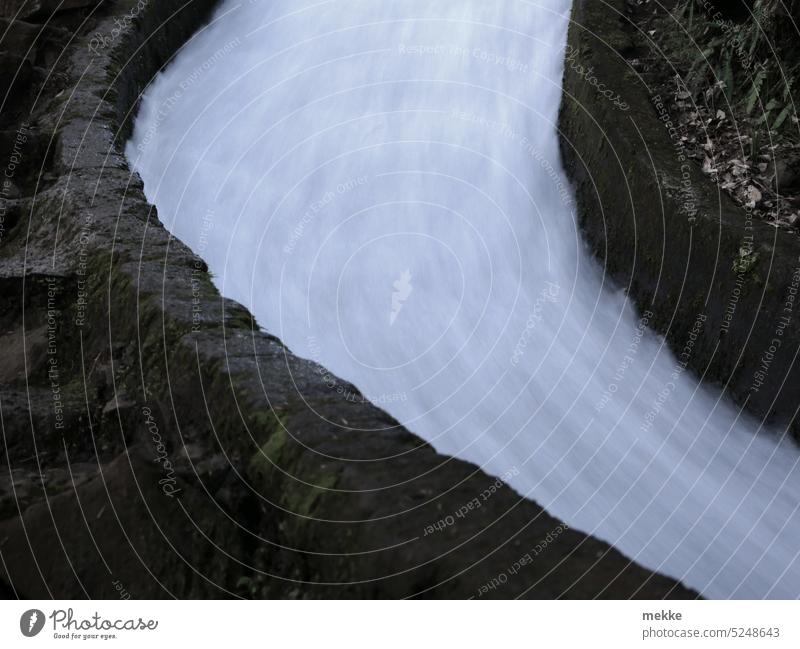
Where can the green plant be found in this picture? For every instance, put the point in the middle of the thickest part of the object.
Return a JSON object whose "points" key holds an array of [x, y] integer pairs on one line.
{"points": [[743, 64]]}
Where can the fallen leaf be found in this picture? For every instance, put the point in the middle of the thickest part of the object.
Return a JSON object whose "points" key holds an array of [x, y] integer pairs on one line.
{"points": [[753, 195]]}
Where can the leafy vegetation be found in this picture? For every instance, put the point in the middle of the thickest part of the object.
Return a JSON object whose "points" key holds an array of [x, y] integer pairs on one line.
{"points": [[750, 64]]}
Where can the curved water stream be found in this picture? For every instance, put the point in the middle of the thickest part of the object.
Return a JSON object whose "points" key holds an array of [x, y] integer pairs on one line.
{"points": [[380, 183]]}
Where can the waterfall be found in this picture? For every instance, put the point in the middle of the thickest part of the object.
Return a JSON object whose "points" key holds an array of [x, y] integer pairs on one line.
{"points": [[380, 183]]}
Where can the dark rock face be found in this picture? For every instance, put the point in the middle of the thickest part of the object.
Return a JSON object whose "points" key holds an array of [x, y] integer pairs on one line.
{"points": [[681, 247], [156, 443]]}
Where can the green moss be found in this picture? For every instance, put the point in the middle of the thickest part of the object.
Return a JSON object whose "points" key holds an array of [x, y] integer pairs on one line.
{"points": [[270, 452], [267, 425], [241, 319], [301, 498]]}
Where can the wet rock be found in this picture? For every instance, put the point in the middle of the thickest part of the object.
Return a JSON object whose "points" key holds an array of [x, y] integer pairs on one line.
{"points": [[786, 179], [36, 10]]}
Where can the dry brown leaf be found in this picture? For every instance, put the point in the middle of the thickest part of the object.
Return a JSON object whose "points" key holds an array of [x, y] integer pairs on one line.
{"points": [[753, 195]]}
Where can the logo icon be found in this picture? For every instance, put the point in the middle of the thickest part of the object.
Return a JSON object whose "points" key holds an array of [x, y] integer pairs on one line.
{"points": [[31, 622], [402, 289]]}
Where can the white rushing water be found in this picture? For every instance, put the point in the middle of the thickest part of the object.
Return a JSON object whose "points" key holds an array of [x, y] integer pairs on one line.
{"points": [[380, 183]]}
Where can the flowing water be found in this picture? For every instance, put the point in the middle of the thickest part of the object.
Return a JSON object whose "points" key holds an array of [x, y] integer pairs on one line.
{"points": [[380, 183]]}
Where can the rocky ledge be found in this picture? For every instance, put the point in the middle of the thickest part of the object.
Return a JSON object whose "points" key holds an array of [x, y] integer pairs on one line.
{"points": [[707, 270], [155, 442]]}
